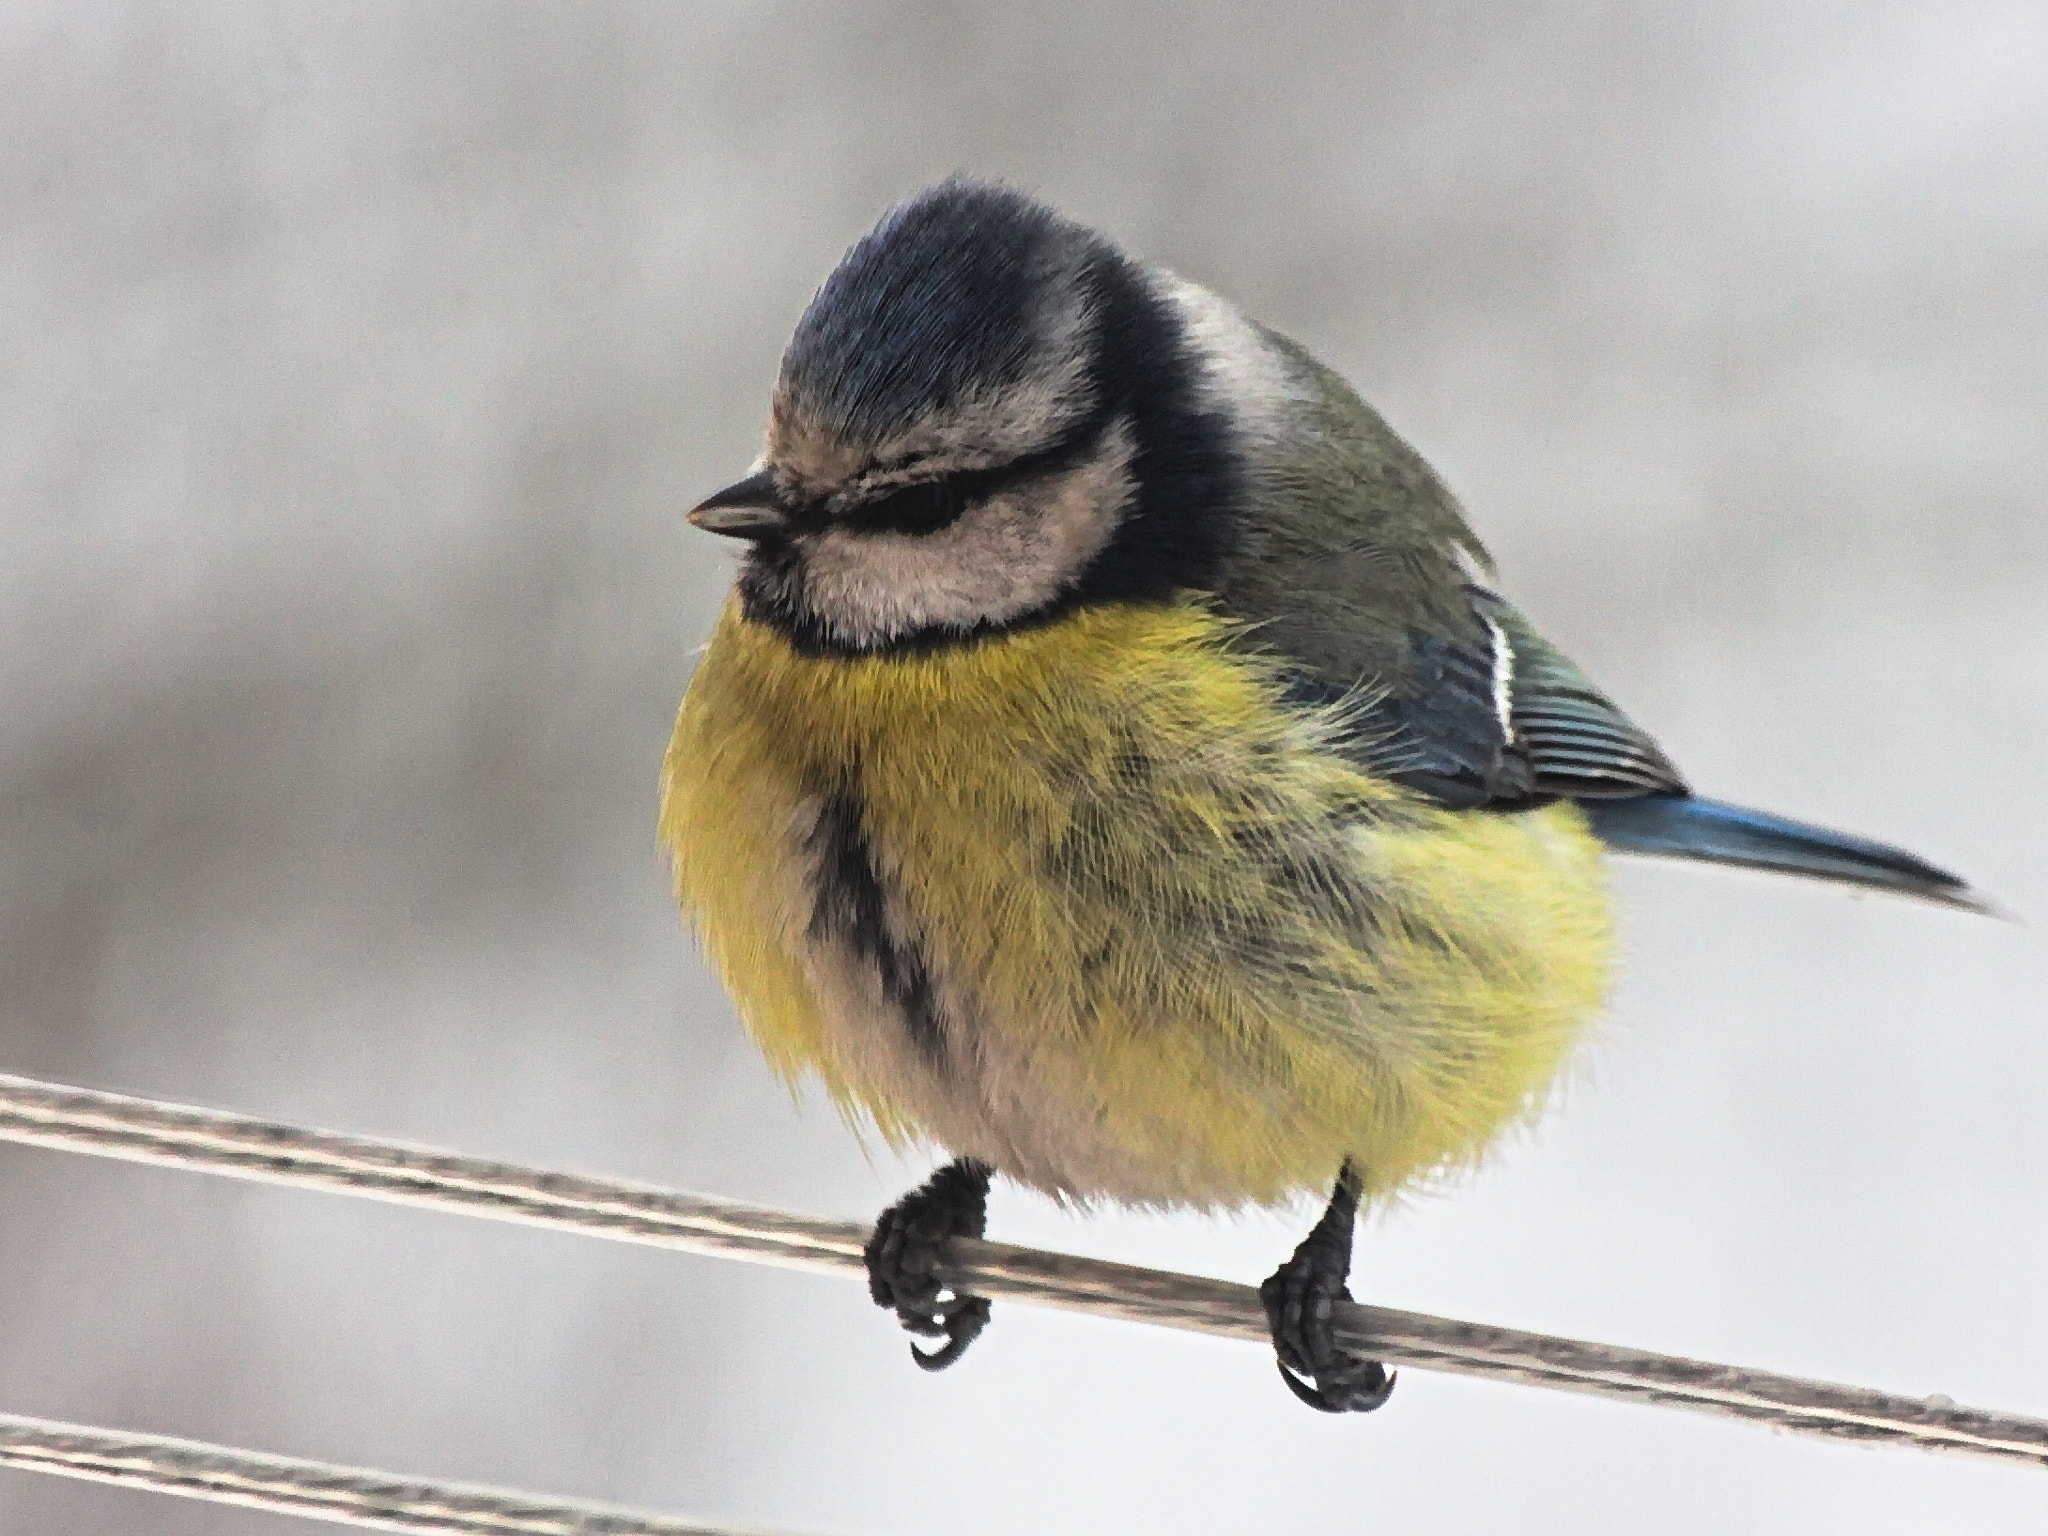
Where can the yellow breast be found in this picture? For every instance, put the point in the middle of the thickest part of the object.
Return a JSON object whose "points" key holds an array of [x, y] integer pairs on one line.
{"points": [[1175, 948]]}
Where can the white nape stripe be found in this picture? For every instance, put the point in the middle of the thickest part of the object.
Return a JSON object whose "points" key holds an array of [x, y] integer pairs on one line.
{"points": [[1241, 375]]}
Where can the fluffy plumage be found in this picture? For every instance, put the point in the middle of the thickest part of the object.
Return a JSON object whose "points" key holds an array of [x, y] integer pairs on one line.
{"points": [[1094, 904], [1116, 764]]}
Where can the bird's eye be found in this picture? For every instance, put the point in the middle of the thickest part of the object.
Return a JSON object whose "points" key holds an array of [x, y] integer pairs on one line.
{"points": [[922, 508]]}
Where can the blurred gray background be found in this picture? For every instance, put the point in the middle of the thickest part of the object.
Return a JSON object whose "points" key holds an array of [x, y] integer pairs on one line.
{"points": [[355, 364]]}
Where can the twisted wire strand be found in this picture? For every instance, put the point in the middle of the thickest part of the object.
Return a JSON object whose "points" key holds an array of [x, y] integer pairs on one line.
{"points": [[141, 1130], [316, 1490]]}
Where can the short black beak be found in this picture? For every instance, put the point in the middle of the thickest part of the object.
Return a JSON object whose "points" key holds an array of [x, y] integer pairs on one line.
{"points": [[746, 509]]}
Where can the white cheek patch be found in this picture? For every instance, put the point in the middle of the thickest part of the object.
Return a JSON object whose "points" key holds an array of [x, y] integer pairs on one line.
{"points": [[1003, 558]]}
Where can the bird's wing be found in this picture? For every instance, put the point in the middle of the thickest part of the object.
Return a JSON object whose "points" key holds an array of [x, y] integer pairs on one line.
{"points": [[1359, 572], [1498, 718], [1435, 715], [1581, 746], [1356, 570]]}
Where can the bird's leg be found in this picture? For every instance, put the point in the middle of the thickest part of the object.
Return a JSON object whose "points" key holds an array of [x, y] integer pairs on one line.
{"points": [[1298, 1301], [904, 1252]]}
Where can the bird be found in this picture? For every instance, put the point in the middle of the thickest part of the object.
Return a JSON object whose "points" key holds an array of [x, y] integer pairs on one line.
{"points": [[1117, 768]]}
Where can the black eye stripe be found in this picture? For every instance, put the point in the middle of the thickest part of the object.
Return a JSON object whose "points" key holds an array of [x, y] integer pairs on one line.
{"points": [[930, 505], [922, 508]]}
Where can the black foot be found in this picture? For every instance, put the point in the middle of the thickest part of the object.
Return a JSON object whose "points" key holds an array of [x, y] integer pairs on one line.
{"points": [[1298, 1298], [904, 1252]]}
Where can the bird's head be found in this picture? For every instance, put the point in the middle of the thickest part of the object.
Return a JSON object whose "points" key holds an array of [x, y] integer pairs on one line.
{"points": [[986, 413]]}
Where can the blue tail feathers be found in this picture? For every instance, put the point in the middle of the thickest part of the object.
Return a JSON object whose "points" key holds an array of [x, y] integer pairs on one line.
{"points": [[1683, 827]]}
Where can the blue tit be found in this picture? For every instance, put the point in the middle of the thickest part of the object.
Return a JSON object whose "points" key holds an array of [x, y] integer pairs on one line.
{"points": [[1117, 766]]}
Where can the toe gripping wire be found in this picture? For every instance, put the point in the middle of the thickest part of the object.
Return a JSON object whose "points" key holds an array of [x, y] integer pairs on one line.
{"points": [[240, 1146], [1300, 1300], [909, 1245]]}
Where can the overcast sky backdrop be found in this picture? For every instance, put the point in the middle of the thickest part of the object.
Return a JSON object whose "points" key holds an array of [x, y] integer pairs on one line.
{"points": [[356, 362]]}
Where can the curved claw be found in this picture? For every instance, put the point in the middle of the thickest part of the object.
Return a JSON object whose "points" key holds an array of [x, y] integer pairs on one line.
{"points": [[1375, 1386], [903, 1257], [963, 1325], [1300, 1298]]}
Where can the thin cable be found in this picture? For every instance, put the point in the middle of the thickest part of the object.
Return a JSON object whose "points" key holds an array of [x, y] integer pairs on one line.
{"points": [[140, 1130], [316, 1490]]}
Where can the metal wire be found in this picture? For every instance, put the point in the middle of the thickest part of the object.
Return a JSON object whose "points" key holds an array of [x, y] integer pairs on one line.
{"points": [[140, 1130], [316, 1490]]}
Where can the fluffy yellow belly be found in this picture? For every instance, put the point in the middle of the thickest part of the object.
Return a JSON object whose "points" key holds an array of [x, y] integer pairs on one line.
{"points": [[1092, 903]]}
